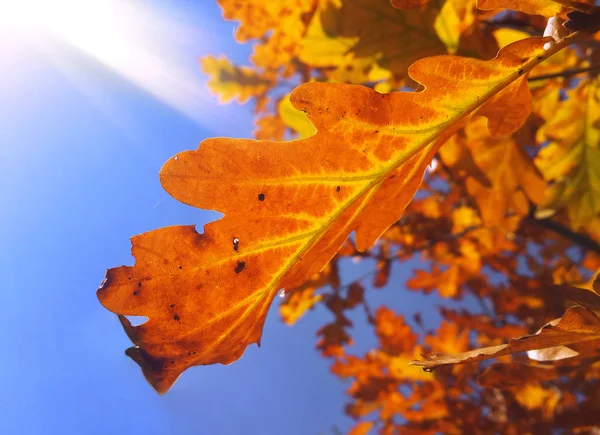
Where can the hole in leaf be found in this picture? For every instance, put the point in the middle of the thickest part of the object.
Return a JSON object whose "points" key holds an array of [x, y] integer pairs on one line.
{"points": [[137, 320]]}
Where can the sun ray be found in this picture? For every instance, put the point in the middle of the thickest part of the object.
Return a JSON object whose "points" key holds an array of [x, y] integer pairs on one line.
{"points": [[134, 39]]}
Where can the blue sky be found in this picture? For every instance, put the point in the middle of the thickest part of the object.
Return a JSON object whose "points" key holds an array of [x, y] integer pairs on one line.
{"points": [[81, 144]]}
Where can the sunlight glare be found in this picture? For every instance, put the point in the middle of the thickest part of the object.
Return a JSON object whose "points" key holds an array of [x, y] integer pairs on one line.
{"points": [[128, 37]]}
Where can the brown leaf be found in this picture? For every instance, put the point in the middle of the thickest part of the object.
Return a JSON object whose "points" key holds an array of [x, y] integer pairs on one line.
{"points": [[576, 325]]}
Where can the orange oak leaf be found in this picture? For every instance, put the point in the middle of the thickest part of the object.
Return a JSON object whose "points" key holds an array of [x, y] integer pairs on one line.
{"points": [[288, 207], [395, 336], [270, 127], [361, 428], [449, 338]]}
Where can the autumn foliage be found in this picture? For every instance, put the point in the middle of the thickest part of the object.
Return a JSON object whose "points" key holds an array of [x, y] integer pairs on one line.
{"points": [[463, 134]]}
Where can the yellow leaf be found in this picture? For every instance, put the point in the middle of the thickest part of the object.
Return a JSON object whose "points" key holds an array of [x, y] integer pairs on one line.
{"points": [[230, 82], [257, 17], [352, 37], [509, 169], [505, 36], [572, 158], [532, 396], [455, 17], [464, 217], [546, 8], [295, 119]]}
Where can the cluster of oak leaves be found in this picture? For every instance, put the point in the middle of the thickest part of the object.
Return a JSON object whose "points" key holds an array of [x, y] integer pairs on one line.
{"points": [[485, 207], [510, 222]]}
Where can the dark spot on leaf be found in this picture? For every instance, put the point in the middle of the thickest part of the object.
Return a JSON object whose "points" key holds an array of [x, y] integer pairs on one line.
{"points": [[176, 317], [540, 57], [236, 243], [241, 265], [135, 293], [337, 189], [392, 177], [520, 71], [172, 305], [140, 284], [172, 362], [129, 278], [376, 131], [261, 196], [525, 59], [180, 267]]}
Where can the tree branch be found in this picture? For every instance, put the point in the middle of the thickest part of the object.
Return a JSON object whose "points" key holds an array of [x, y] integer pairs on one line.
{"points": [[558, 228], [565, 73]]}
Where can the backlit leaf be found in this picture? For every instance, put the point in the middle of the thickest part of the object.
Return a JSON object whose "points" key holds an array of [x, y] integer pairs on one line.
{"points": [[230, 82], [295, 119], [354, 36], [288, 207], [510, 171], [572, 159], [257, 17], [547, 8]]}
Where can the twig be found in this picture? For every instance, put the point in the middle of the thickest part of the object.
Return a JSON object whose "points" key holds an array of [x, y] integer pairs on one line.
{"points": [[577, 238], [565, 73]]}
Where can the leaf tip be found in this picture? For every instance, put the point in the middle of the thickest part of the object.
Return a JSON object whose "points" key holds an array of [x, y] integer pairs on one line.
{"points": [[160, 379]]}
